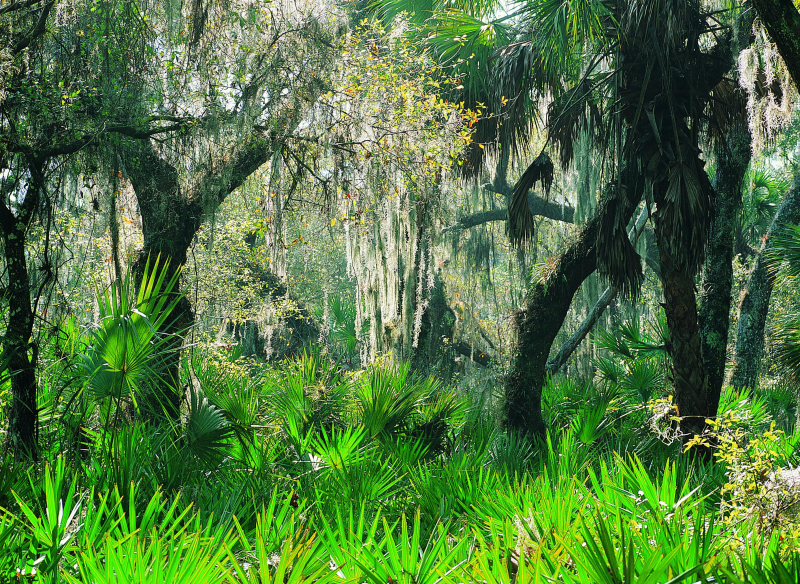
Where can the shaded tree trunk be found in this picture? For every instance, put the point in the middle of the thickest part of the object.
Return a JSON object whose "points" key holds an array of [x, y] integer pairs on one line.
{"points": [[546, 307], [715, 301], [754, 304], [18, 345], [782, 21], [171, 216], [690, 379], [566, 350]]}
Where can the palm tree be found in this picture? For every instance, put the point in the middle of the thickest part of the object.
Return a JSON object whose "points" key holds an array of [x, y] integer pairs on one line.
{"points": [[639, 77]]}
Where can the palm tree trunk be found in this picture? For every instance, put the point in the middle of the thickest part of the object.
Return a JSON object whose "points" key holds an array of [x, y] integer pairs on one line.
{"points": [[754, 305], [715, 300], [680, 306]]}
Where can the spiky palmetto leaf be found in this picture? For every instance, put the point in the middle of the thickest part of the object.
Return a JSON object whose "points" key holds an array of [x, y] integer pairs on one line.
{"points": [[182, 559], [336, 448], [345, 531], [311, 393], [388, 397], [406, 560]]}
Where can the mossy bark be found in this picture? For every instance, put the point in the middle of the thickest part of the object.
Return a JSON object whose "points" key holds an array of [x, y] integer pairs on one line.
{"points": [[546, 306], [754, 304], [171, 215], [782, 21], [19, 347], [733, 158]]}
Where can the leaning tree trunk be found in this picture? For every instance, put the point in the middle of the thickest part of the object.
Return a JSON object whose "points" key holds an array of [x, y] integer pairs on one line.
{"points": [[715, 302], [546, 307], [782, 21], [754, 305]]}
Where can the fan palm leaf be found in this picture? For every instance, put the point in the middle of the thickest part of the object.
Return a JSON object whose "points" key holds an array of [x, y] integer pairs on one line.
{"points": [[125, 344]]}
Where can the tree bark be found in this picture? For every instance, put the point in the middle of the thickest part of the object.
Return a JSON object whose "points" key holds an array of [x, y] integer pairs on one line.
{"points": [[715, 300], [754, 304], [538, 206], [171, 216], [690, 380], [595, 313], [782, 21], [546, 307], [18, 345]]}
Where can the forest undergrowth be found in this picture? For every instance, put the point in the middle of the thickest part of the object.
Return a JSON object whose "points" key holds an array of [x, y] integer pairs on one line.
{"points": [[307, 472]]}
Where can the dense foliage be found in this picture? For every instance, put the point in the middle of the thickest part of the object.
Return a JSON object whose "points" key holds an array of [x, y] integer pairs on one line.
{"points": [[400, 292]]}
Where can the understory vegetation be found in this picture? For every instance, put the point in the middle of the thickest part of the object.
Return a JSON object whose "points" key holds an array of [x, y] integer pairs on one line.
{"points": [[308, 471]]}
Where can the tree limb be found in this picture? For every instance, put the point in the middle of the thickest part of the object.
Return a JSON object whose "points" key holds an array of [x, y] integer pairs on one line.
{"points": [[782, 21], [35, 32], [538, 206], [595, 313]]}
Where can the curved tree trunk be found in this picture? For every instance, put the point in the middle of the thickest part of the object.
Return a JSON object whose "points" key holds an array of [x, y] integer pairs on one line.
{"points": [[715, 300], [546, 307], [171, 216], [754, 305]]}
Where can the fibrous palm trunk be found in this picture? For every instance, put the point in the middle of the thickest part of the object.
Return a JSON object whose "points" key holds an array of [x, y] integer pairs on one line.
{"points": [[688, 370]]}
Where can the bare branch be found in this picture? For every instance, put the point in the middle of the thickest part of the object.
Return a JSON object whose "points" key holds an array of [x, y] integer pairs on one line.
{"points": [[36, 31]]}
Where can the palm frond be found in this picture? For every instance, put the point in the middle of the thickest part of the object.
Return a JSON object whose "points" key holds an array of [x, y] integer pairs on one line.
{"points": [[521, 224], [206, 429], [617, 259]]}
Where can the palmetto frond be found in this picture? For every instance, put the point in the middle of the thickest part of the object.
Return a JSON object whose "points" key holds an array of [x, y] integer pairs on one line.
{"points": [[206, 430], [580, 108], [763, 189], [125, 344]]}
